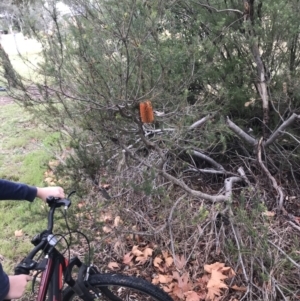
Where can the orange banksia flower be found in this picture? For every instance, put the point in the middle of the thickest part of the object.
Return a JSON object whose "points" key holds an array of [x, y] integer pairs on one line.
{"points": [[146, 112]]}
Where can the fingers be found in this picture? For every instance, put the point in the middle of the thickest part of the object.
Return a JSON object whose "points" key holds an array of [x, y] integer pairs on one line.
{"points": [[29, 278]]}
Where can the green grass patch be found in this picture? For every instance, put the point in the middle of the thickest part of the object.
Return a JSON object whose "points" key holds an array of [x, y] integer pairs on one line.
{"points": [[26, 147]]}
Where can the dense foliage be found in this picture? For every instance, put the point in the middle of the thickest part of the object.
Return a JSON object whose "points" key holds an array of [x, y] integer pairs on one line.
{"points": [[234, 65]]}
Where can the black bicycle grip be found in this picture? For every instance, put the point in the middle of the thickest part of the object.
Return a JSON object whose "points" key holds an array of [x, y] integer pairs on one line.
{"points": [[21, 271]]}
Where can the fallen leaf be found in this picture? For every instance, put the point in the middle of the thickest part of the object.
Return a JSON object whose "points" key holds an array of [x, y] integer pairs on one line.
{"points": [[148, 252], [215, 266], [215, 284], [228, 271], [268, 213], [136, 252], [80, 205], [192, 296], [141, 259], [180, 261], [113, 265], [164, 278], [106, 229], [117, 221], [183, 284], [248, 103], [19, 233], [156, 262], [105, 217], [169, 261], [127, 258], [105, 186], [239, 288]]}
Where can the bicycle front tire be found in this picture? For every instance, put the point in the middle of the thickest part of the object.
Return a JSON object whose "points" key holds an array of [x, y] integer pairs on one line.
{"points": [[118, 287]]}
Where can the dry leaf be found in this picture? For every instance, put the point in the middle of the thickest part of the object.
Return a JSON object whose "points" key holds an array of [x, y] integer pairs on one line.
{"points": [[239, 288], [117, 221], [156, 262], [228, 271], [169, 261], [127, 258], [105, 186], [215, 284], [192, 296], [180, 261], [164, 278], [268, 213], [183, 284], [248, 103], [213, 292], [148, 252], [215, 266], [18, 233], [107, 229], [105, 217], [80, 205], [141, 259], [113, 265], [136, 252], [169, 288]]}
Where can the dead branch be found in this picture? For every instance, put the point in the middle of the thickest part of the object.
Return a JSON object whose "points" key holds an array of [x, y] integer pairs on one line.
{"points": [[208, 159], [228, 186], [265, 169], [220, 10], [240, 255], [241, 133], [286, 255], [281, 129], [209, 171], [169, 222], [200, 122]]}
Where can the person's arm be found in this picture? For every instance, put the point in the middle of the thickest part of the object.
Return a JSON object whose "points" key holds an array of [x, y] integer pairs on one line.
{"points": [[4, 284], [18, 191]]}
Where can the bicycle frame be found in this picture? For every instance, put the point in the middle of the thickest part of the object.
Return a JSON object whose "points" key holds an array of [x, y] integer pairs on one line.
{"points": [[52, 278], [55, 266]]}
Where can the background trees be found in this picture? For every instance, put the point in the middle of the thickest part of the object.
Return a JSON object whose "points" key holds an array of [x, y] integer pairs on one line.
{"points": [[223, 81]]}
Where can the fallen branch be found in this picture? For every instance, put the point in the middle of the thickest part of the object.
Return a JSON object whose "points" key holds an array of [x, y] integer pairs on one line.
{"points": [[286, 255], [220, 10], [228, 185], [200, 122], [207, 159], [265, 169], [281, 129], [240, 132]]}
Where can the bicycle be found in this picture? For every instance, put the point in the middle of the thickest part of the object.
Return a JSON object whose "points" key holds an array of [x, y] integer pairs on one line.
{"points": [[57, 271]]}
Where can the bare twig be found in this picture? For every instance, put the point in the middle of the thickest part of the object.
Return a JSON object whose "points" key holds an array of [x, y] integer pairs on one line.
{"points": [[286, 255], [208, 159], [220, 10], [265, 169], [240, 132], [170, 226], [200, 122], [281, 129], [294, 226], [240, 256], [228, 186]]}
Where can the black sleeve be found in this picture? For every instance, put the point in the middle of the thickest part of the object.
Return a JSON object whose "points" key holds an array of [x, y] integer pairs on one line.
{"points": [[4, 284], [16, 191]]}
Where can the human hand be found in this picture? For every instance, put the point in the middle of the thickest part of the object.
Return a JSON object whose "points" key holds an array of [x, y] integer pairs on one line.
{"points": [[17, 285], [45, 192]]}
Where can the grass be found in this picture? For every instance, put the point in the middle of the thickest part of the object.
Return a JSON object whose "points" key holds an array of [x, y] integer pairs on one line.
{"points": [[25, 150]]}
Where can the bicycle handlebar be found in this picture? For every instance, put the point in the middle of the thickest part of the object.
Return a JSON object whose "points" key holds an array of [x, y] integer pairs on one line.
{"points": [[53, 204], [40, 240]]}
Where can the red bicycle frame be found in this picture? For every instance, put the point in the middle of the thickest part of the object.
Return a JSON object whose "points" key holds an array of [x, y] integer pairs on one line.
{"points": [[52, 277]]}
